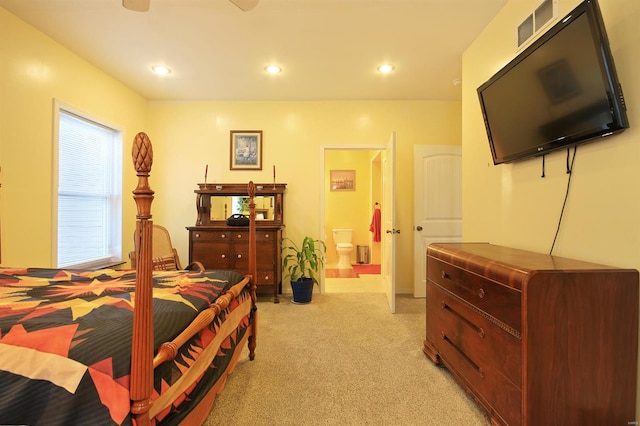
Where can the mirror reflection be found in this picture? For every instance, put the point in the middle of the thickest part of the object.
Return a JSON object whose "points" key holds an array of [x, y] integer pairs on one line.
{"points": [[223, 207]]}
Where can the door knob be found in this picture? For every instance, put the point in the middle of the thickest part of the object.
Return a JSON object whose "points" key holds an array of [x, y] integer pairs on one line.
{"points": [[418, 228]]}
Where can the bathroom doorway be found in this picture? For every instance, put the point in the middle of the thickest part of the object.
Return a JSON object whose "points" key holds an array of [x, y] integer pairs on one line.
{"points": [[351, 205]]}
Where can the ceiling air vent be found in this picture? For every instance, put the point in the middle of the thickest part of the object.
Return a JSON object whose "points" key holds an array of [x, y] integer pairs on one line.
{"points": [[537, 20]]}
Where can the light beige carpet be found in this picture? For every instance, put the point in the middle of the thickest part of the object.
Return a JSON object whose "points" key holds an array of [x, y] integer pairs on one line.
{"points": [[343, 359]]}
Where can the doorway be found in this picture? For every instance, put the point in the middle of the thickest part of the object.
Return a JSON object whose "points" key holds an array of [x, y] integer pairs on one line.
{"points": [[352, 207]]}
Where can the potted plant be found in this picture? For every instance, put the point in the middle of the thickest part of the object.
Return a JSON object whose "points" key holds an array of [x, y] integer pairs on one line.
{"points": [[300, 264]]}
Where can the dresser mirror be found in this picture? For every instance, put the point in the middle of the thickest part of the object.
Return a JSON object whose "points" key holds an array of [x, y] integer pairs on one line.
{"points": [[216, 202], [224, 206]]}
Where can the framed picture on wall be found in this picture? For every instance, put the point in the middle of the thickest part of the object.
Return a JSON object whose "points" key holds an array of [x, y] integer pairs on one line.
{"points": [[246, 150], [343, 180]]}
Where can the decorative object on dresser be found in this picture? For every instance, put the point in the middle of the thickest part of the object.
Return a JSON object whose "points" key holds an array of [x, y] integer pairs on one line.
{"points": [[218, 245], [536, 339], [301, 264]]}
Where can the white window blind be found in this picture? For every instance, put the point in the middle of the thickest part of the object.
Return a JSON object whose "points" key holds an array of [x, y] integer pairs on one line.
{"points": [[89, 193]]}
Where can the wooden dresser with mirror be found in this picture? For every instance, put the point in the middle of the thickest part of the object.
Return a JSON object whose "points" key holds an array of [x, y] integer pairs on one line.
{"points": [[220, 246]]}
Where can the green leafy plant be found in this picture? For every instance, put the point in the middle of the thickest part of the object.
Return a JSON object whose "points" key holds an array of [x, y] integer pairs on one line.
{"points": [[243, 204], [300, 262]]}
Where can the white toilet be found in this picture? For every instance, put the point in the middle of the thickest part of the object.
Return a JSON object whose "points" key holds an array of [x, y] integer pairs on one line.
{"points": [[342, 239]]}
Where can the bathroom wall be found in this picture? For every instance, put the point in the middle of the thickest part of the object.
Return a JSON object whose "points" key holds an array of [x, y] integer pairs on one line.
{"points": [[375, 254], [349, 209]]}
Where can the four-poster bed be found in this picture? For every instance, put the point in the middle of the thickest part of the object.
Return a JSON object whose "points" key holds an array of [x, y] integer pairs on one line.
{"points": [[86, 347]]}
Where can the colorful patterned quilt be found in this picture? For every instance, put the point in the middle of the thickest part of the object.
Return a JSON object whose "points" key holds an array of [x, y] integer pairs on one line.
{"points": [[65, 343]]}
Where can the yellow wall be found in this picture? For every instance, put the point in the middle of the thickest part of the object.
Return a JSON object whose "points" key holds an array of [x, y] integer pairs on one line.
{"points": [[187, 136], [511, 204], [34, 70]]}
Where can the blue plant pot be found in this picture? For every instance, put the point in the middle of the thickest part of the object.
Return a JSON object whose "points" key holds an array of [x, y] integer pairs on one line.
{"points": [[302, 291]]}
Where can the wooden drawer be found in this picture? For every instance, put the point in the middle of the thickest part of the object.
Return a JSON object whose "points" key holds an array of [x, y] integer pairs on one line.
{"points": [[218, 236], [266, 236], [239, 235], [497, 300], [265, 256], [473, 332], [266, 278], [212, 255], [486, 357], [502, 399]]}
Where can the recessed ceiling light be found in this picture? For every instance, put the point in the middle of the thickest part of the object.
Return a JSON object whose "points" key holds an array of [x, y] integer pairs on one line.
{"points": [[385, 68], [273, 69], [160, 70]]}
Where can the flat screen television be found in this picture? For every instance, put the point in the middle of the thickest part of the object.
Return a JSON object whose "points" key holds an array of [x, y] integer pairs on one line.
{"points": [[560, 91]]}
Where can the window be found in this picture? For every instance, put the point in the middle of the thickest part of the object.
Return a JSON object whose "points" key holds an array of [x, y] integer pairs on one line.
{"points": [[89, 193]]}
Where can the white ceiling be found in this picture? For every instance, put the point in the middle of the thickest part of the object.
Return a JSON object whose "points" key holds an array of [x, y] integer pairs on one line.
{"points": [[329, 49]]}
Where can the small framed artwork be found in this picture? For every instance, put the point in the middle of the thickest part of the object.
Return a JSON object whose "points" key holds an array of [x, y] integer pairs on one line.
{"points": [[246, 150], [343, 180]]}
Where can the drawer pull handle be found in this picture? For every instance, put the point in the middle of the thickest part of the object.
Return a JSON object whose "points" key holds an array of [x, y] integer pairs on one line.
{"points": [[239, 236], [266, 235], [197, 235], [449, 309], [481, 294], [239, 256], [223, 236], [462, 354], [223, 256]]}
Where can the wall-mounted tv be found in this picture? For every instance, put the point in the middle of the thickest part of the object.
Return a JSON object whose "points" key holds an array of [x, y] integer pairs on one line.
{"points": [[561, 91]]}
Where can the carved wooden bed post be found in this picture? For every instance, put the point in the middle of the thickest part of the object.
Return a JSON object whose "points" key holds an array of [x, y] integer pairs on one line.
{"points": [[142, 345], [253, 267]]}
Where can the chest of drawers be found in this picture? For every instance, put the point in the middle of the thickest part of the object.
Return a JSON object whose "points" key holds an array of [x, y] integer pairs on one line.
{"points": [[220, 246], [227, 247], [536, 339]]}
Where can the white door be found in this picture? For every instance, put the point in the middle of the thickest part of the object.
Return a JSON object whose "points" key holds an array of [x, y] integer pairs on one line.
{"points": [[389, 231], [438, 203]]}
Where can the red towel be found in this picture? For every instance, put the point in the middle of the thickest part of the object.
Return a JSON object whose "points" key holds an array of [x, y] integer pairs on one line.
{"points": [[375, 224]]}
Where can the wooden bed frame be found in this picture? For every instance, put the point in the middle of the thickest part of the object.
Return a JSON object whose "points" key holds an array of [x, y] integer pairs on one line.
{"points": [[143, 361]]}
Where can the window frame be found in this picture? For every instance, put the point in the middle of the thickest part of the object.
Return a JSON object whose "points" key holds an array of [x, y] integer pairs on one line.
{"points": [[114, 237]]}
